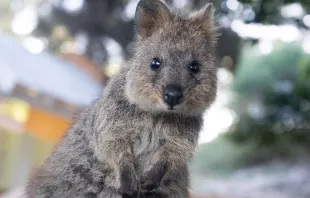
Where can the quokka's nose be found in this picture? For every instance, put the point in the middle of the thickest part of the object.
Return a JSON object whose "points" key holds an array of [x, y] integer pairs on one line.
{"points": [[173, 95]]}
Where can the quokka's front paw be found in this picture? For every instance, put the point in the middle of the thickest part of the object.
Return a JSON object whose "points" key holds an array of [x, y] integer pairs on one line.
{"points": [[128, 179], [152, 179]]}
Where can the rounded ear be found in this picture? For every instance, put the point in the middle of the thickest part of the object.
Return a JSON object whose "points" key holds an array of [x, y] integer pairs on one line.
{"points": [[150, 16], [204, 17]]}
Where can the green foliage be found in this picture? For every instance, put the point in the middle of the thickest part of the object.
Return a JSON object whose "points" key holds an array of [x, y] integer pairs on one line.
{"points": [[221, 156], [272, 100], [259, 73], [268, 11]]}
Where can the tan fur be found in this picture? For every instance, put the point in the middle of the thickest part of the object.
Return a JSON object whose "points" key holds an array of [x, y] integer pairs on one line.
{"points": [[122, 143]]}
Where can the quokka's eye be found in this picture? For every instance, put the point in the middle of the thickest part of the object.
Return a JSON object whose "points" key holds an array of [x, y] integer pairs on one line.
{"points": [[155, 65], [194, 67]]}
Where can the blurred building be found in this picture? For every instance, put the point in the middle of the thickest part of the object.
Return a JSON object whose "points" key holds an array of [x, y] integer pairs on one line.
{"points": [[39, 93]]}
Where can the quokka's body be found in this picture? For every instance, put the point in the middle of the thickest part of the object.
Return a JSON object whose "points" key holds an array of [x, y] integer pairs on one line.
{"points": [[137, 138]]}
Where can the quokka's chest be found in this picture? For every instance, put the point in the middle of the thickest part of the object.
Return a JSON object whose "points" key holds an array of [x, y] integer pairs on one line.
{"points": [[145, 144]]}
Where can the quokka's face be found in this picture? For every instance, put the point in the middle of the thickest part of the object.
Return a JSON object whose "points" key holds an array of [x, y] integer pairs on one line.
{"points": [[173, 67]]}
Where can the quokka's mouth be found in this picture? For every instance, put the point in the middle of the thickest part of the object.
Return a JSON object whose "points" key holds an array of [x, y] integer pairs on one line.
{"points": [[171, 108], [174, 107]]}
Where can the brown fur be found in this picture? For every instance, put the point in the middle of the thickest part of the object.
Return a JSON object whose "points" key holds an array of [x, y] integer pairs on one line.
{"points": [[128, 143]]}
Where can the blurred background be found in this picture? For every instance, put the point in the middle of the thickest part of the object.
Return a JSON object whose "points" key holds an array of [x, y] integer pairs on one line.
{"points": [[57, 55]]}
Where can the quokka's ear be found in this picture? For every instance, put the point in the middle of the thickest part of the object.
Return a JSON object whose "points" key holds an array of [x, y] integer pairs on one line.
{"points": [[204, 17], [150, 16]]}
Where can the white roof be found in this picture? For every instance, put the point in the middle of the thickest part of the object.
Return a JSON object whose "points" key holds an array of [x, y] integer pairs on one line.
{"points": [[44, 73]]}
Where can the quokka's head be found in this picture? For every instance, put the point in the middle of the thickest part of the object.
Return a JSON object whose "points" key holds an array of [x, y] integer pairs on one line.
{"points": [[173, 66]]}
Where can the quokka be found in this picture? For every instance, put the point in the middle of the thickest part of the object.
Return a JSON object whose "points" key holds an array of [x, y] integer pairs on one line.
{"points": [[137, 138]]}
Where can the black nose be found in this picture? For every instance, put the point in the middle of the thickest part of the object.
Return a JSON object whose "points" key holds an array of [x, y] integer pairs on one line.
{"points": [[173, 95]]}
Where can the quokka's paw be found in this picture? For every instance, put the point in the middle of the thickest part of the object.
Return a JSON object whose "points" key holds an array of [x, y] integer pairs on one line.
{"points": [[152, 179], [135, 195], [128, 179], [152, 195]]}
